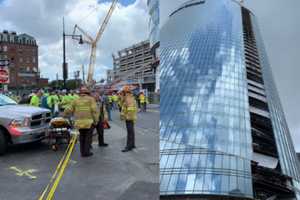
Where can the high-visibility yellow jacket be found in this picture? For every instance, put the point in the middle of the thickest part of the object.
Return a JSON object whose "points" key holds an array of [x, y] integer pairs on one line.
{"points": [[35, 101], [115, 98], [66, 101], [120, 100], [142, 98], [110, 99], [84, 110], [52, 100], [129, 108], [75, 96]]}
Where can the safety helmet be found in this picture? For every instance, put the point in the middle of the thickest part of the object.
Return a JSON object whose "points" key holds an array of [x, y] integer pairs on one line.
{"points": [[126, 88], [84, 90]]}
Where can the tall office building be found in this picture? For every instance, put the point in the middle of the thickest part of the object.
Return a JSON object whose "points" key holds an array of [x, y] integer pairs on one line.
{"points": [[223, 131], [153, 7]]}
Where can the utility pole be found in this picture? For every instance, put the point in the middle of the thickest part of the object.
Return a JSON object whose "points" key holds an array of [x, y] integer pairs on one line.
{"points": [[56, 80], [76, 76], [83, 74], [65, 65]]}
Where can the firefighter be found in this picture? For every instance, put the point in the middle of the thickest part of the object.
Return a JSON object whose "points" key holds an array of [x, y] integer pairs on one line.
{"points": [[84, 110], [120, 100], [108, 105], [103, 120], [129, 115]]}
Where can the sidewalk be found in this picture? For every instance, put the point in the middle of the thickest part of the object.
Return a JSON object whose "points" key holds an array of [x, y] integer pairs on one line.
{"points": [[112, 175]]}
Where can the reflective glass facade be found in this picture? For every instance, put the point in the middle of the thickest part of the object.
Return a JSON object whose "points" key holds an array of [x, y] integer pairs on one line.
{"points": [[206, 144], [286, 152], [153, 6]]}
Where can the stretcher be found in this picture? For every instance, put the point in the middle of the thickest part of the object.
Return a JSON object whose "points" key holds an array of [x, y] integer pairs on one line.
{"points": [[59, 132]]}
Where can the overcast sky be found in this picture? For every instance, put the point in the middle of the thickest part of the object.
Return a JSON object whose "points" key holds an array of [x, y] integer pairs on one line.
{"points": [[43, 20], [279, 22]]}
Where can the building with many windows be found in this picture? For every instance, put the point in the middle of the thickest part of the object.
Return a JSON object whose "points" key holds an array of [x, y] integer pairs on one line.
{"points": [[153, 7], [22, 53], [222, 128], [134, 66]]}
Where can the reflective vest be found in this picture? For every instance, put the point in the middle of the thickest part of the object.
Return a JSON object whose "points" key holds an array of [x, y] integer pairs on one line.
{"points": [[115, 98], [142, 98], [129, 108], [66, 101], [52, 100], [35, 101], [84, 110], [110, 99]]}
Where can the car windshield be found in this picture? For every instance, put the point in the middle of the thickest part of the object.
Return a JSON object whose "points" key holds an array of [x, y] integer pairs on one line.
{"points": [[5, 100]]}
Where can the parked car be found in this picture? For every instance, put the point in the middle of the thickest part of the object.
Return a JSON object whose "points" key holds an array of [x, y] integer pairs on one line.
{"points": [[21, 124]]}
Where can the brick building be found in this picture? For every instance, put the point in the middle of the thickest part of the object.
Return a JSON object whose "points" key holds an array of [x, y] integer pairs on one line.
{"points": [[22, 53]]}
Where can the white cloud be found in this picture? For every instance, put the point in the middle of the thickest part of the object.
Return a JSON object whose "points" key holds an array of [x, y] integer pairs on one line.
{"points": [[43, 20]]}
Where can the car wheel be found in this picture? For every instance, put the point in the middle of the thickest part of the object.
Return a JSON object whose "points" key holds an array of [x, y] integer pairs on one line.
{"points": [[3, 143]]}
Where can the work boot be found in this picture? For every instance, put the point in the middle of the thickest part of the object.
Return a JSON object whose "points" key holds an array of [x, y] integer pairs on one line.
{"points": [[126, 150], [103, 145], [88, 155]]}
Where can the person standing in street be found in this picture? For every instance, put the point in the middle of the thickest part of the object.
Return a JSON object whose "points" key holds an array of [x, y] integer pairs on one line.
{"points": [[142, 100], [52, 102], [36, 99], [103, 118], [84, 110], [129, 114], [107, 103], [120, 100], [66, 100], [44, 99]]}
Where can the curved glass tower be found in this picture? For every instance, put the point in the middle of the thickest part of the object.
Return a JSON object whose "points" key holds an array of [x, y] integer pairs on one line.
{"points": [[223, 132], [153, 7]]}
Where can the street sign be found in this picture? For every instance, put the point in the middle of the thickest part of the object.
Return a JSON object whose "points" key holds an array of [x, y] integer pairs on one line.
{"points": [[4, 75], [4, 63]]}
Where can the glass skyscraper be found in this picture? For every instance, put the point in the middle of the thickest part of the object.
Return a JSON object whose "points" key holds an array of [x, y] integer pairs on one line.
{"points": [[222, 128], [153, 7]]}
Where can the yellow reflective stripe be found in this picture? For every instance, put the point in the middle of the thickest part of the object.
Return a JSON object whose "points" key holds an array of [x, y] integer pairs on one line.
{"points": [[131, 108]]}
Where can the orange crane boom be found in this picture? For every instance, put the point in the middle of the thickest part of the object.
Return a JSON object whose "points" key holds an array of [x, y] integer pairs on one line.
{"points": [[93, 42]]}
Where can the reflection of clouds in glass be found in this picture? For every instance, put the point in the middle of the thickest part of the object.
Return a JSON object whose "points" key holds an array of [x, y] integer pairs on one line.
{"points": [[190, 183], [202, 74], [199, 182]]}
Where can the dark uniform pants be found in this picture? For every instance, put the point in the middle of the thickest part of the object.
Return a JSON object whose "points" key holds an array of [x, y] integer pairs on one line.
{"points": [[130, 134], [85, 139], [100, 131]]}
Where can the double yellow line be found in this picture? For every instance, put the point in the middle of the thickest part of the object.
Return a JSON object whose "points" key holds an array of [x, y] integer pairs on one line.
{"points": [[60, 169]]}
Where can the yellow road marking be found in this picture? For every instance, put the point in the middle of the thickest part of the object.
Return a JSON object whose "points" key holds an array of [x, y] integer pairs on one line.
{"points": [[21, 172], [62, 170], [55, 179]]}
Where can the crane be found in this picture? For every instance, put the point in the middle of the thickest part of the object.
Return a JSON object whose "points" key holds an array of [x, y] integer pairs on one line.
{"points": [[93, 41]]}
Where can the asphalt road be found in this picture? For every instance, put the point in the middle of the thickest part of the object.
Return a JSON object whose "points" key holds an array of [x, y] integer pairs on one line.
{"points": [[108, 175]]}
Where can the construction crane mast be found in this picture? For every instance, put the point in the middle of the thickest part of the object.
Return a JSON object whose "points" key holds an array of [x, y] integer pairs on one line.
{"points": [[93, 42]]}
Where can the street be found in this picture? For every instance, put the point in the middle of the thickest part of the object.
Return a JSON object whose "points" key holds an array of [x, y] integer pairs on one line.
{"points": [[108, 175]]}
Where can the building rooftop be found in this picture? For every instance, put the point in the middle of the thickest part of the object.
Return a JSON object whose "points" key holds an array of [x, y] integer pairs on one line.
{"points": [[14, 38]]}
